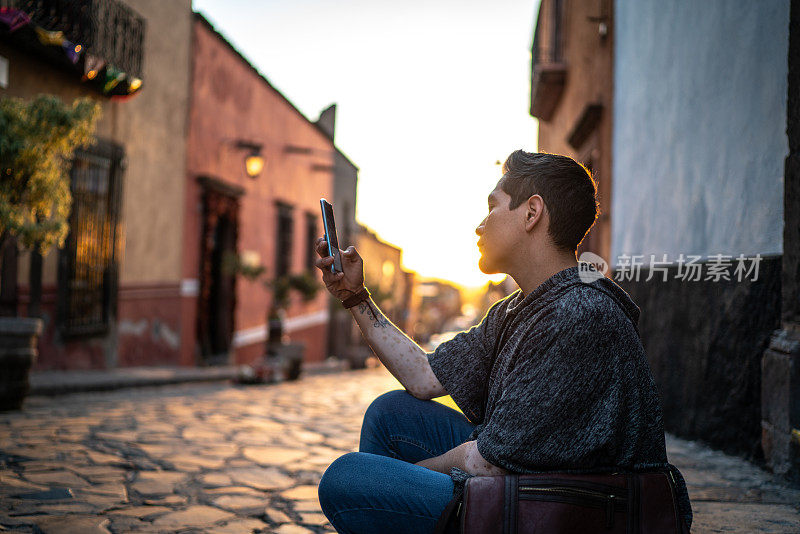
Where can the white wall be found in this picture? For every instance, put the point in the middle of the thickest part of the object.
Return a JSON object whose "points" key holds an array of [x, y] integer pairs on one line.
{"points": [[699, 127]]}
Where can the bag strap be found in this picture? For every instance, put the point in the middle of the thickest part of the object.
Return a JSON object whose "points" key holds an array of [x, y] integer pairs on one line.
{"points": [[510, 504], [634, 503], [449, 518]]}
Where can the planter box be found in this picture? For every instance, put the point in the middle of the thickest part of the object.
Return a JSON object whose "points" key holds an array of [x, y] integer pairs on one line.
{"points": [[18, 351], [289, 359]]}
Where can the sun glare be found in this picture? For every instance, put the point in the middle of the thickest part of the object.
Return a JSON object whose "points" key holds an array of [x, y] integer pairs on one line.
{"points": [[425, 111]]}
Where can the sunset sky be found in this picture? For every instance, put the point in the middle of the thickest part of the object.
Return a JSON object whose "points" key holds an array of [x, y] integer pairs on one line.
{"points": [[429, 96]]}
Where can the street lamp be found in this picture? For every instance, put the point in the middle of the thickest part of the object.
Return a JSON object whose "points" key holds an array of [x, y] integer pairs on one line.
{"points": [[254, 161], [254, 164]]}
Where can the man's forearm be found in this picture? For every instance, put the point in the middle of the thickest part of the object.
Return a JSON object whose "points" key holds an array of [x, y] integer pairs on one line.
{"points": [[465, 457], [399, 353]]}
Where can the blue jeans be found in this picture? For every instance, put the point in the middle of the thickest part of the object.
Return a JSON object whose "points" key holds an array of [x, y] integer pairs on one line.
{"points": [[379, 489]]}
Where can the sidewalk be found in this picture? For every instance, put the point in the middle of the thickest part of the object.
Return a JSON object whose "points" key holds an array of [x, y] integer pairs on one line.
{"points": [[213, 458], [63, 382], [729, 494]]}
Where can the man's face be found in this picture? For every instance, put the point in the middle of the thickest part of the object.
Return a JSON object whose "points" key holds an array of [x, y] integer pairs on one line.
{"points": [[499, 232]]}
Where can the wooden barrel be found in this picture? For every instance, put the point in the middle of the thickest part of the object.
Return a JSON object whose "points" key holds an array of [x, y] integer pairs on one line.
{"points": [[18, 351]]}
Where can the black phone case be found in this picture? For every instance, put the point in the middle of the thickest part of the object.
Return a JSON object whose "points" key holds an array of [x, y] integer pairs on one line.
{"points": [[329, 223]]}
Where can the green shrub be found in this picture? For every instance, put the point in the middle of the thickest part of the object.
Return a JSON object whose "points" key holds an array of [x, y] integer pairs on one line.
{"points": [[37, 141]]}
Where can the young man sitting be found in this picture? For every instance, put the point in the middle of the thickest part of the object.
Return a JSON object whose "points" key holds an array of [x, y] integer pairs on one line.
{"points": [[553, 378]]}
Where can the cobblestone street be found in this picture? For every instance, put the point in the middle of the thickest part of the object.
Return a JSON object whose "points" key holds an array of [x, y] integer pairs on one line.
{"points": [[222, 458]]}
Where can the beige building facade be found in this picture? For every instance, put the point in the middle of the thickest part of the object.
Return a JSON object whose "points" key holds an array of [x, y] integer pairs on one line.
{"points": [[131, 313]]}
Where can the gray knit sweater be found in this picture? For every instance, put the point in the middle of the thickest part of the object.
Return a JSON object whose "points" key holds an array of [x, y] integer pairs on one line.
{"points": [[570, 388]]}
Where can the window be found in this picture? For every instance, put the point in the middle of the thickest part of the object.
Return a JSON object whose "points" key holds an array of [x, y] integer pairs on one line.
{"points": [[311, 238], [88, 263], [548, 72], [283, 250]]}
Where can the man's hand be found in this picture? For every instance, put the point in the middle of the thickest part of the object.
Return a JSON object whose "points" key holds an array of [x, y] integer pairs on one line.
{"points": [[467, 458], [399, 353], [347, 283]]}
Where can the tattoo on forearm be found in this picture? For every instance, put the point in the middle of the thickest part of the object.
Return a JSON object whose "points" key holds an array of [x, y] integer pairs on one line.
{"points": [[374, 315]]}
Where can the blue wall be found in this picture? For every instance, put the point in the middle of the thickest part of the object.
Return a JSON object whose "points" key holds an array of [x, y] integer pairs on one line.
{"points": [[699, 127]]}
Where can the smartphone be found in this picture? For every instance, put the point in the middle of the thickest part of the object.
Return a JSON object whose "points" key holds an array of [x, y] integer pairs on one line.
{"points": [[330, 235]]}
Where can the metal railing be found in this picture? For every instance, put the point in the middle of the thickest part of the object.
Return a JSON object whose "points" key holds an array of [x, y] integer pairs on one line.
{"points": [[108, 29]]}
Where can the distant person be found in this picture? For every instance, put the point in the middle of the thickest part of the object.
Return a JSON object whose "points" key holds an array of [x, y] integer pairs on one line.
{"points": [[570, 387]]}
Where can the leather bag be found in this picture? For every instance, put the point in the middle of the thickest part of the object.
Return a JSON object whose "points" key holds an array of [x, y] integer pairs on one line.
{"points": [[556, 503]]}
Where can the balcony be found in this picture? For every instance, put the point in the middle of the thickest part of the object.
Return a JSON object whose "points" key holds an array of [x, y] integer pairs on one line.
{"points": [[101, 40], [548, 69]]}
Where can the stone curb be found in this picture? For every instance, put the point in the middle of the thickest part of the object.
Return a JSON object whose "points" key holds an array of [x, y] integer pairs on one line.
{"points": [[51, 383]]}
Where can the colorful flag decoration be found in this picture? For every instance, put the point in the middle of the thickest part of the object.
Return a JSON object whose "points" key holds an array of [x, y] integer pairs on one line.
{"points": [[112, 82], [72, 51], [92, 65], [14, 18], [50, 38], [113, 77]]}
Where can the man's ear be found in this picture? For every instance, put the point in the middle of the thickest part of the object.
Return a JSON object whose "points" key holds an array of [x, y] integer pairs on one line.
{"points": [[534, 212]]}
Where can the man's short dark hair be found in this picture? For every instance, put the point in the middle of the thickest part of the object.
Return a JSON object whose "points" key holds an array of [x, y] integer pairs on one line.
{"points": [[566, 186]]}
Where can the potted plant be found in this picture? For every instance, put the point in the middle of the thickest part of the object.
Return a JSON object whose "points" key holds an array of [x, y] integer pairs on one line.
{"points": [[283, 360], [37, 139]]}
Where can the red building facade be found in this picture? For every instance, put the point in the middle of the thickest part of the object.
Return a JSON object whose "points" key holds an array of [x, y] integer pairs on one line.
{"points": [[269, 220], [162, 205]]}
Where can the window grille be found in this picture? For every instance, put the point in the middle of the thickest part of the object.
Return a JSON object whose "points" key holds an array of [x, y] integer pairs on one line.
{"points": [[88, 269]]}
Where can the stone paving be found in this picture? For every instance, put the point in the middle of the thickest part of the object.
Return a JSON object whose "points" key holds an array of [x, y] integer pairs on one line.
{"points": [[228, 459], [192, 458]]}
